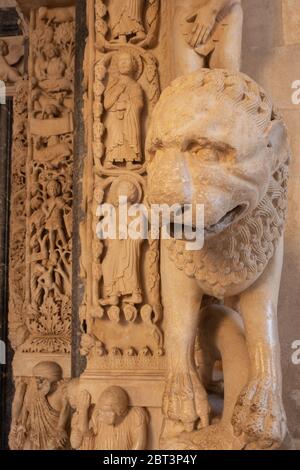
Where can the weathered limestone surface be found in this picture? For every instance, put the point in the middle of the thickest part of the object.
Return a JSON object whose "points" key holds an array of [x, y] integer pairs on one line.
{"points": [[110, 310], [271, 55]]}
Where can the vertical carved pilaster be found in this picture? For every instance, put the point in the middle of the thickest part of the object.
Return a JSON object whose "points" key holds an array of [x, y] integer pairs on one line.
{"points": [[41, 234], [122, 88], [18, 331], [49, 182], [121, 317]]}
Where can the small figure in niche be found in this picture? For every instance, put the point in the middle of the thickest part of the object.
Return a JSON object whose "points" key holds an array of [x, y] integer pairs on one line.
{"points": [[126, 20], [123, 101], [121, 265]]}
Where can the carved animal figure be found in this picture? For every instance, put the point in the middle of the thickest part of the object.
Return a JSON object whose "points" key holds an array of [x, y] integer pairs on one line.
{"points": [[10, 57], [216, 140], [56, 15]]}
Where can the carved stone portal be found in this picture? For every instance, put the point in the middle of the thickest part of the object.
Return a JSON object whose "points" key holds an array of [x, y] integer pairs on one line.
{"points": [[181, 347]]}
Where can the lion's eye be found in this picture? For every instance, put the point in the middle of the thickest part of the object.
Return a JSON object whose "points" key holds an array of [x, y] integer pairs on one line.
{"points": [[207, 154], [212, 153]]}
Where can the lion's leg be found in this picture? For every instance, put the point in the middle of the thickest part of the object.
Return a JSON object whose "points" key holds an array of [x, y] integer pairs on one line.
{"points": [[259, 413], [221, 336], [184, 399]]}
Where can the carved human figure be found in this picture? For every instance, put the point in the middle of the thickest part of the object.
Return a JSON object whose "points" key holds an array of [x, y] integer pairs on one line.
{"points": [[37, 220], [236, 153], [40, 411], [50, 70], [113, 424], [50, 278], [54, 211], [121, 265], [123, 101], [55, 65], [126, 20], [207, 33], [8, 73]]}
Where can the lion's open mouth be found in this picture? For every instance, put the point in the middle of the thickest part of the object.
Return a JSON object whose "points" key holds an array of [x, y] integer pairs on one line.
{"points": [[228, 219], [210, 230]]}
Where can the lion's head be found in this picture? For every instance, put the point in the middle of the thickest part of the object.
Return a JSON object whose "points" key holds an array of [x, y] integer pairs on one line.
{"points": [[216, 140]]}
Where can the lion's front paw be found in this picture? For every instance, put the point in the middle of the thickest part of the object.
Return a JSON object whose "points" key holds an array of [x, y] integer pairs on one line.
{"points": [[259, 415], [185, 399]]}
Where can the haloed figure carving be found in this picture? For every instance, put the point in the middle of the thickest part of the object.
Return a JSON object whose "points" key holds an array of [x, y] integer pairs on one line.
{"points": [[234, 148], [207, 33], [121, 265], [123, 102], [40, 411], [113, 424]]}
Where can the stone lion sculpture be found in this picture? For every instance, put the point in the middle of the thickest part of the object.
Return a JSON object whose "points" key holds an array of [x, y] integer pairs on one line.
{"points": [[215, 139]]}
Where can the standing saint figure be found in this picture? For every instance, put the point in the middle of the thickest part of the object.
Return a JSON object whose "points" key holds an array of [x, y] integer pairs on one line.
{"points": [[121, 265], [126, 20], [113, 425], [207, 33], [123, 101]]}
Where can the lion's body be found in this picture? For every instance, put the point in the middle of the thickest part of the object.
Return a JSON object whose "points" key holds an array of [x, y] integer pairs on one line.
{"points": [[216, 141]]}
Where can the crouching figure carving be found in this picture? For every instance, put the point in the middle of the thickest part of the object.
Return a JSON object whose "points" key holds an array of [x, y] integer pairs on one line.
{"points": [[216, 140]]}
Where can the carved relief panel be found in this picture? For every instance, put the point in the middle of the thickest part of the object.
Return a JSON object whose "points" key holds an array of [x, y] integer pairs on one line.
{"points": [[41, 247], [121, 314], [149, 373], [121, 311], [49, 184], [18, 331]]}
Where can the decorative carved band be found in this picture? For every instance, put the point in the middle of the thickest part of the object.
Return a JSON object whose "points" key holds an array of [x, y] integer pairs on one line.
{"points": [[49, 181], [121, 311]]}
